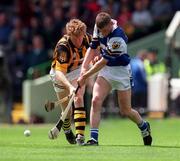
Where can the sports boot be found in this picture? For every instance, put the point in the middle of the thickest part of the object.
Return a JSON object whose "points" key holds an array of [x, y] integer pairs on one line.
{"points": [[80, 139], [70, 137], [91, 142], [146, 134]]}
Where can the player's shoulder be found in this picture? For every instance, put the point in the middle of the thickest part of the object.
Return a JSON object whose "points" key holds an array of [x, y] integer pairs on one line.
{"points": [[63, 40], [119, 32], [63, 43], [88, 35], [87, 39]]}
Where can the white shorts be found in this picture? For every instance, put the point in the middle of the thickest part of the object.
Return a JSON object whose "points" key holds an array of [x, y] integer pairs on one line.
{"points": [[58, 87], [119, 77]]}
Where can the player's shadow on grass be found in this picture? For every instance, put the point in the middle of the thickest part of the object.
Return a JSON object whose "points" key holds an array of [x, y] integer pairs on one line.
{"points": [[153, 146], [166, 146], [125, 146]]}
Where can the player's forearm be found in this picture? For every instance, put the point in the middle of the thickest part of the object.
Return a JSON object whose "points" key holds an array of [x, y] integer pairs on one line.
{"points": [[62, 78], [96, 67], [88, 58]]}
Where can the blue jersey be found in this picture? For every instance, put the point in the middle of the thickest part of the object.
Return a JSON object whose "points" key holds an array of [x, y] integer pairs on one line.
{"points": [[113, 47]]}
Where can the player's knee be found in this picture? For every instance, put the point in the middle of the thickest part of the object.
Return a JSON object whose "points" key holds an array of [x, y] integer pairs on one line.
{"points": [[96, 103]]}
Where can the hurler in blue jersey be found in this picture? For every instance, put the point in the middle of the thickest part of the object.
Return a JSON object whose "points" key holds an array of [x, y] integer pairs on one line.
{"points": [[114, 73]]}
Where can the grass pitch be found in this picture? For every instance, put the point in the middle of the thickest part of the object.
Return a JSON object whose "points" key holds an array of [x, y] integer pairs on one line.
{"points": [[119, 139]]}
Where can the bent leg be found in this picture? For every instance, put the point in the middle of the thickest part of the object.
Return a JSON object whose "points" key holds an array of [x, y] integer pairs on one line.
{"points": [[124, 99]]}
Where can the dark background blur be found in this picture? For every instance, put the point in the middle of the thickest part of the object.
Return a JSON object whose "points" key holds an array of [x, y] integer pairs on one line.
{"points": [[29, 29]]}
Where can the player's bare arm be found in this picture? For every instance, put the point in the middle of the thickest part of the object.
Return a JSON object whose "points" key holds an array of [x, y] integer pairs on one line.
{"points": [[60, 76], [90, 54], [96, 67]]}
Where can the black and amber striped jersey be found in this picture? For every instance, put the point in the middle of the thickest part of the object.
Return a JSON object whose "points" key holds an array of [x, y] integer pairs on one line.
{"points": [[66, 56]]}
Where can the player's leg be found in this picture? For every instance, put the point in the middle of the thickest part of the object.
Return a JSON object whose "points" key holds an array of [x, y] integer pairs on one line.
{"points": [[100, 91], [79, 114], [70, 137], [61, 92], [124, 100]]}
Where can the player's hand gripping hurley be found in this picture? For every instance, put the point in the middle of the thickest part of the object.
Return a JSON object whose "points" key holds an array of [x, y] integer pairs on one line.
{"points": [[55, 131]]}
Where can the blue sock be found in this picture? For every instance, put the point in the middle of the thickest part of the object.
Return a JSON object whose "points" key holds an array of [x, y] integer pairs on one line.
{"points": [[142, 126], [94, 133]]}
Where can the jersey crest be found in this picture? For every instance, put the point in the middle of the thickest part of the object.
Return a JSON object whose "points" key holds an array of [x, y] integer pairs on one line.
{"points": [[116, 45], [63, 57]]}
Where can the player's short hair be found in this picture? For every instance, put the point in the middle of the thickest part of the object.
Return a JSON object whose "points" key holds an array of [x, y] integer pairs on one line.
{"points": [[76, 27], [102, 19]]}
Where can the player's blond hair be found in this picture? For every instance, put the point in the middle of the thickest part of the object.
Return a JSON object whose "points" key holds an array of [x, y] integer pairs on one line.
{"points": [[75, 27]]}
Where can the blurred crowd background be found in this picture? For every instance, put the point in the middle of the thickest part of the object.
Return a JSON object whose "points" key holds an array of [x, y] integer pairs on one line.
{"points": [[29, 30]]}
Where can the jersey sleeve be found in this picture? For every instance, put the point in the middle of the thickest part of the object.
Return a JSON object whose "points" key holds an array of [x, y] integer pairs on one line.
{"points": [[63, 54], [116, 50], [116, 46], [115, 60], [63, 58], [95, 42]]}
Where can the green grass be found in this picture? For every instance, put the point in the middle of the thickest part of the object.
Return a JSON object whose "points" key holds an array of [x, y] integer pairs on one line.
{"points": [[119, 140]]}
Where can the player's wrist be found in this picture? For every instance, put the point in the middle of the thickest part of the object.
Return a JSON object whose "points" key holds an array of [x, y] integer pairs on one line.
{"points": [[85, 76], [83, 71]]}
